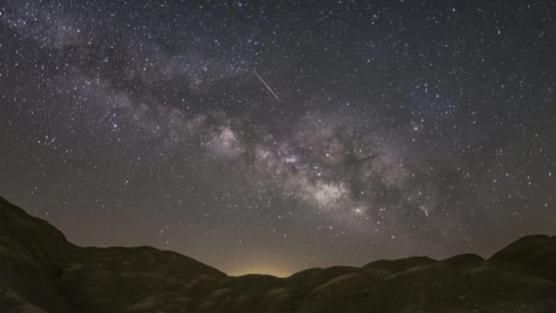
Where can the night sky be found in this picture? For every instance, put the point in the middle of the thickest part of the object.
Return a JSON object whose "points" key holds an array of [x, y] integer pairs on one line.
{"points": [[279, 136]]}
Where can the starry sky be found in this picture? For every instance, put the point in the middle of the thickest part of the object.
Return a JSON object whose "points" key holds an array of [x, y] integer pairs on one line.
{"points": [[274, 136]]}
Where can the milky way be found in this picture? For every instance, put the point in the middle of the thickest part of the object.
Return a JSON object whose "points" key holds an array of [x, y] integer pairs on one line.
{"points": [[274, 137]]}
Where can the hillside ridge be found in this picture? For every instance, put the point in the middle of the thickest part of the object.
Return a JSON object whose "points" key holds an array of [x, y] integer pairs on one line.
{"points": [[40, 271]]}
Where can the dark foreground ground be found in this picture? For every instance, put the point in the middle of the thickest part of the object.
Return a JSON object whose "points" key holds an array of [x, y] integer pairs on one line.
{"points": [[40, 271]]}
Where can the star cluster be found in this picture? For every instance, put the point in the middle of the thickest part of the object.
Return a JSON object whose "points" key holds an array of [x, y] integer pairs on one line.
{"points": [[282, 135]]}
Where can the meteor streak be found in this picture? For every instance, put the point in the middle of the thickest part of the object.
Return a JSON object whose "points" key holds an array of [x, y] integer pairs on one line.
{"points": [[267, 86]]}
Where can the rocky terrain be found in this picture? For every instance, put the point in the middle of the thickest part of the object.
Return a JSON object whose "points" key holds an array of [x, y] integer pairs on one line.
{"points": [[41, 272]]}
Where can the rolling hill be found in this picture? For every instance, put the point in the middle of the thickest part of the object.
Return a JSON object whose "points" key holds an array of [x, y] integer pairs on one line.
{"points": [[42, 272]]}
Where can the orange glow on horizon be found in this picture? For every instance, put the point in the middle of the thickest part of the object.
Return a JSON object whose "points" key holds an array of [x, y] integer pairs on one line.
{"points": [[261, 270]]}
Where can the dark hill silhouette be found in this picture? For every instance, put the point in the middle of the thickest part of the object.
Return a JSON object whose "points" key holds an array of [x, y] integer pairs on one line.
{"points": [[41, 272]]}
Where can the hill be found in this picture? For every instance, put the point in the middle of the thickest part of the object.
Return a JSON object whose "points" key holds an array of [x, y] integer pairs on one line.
{"points": [[41, 272]]}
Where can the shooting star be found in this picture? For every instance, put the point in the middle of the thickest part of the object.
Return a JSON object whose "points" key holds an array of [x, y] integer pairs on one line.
{"points": [[267, 86]]}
